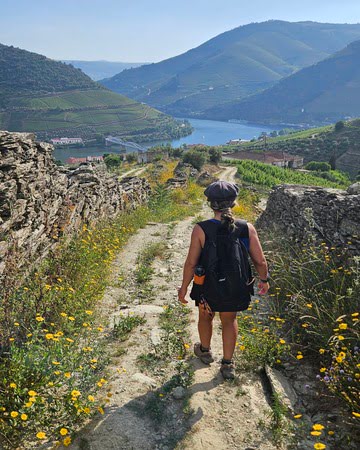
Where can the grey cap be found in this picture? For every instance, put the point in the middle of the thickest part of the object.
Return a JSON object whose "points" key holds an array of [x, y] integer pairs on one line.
{"points": [[221, 190]]}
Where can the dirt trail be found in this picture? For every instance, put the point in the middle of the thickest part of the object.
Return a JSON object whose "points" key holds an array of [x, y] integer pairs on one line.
{"points": [[133, 173], [225, 415]]}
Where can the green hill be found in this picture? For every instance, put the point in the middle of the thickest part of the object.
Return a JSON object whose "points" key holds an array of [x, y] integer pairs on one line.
{"points": [[340, 147], [54, 99], [325, 92], [232, 65], [98, 70]]}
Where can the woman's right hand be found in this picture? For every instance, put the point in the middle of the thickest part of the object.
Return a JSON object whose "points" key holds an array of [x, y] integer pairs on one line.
{"points": [[182, 294], [263, 287]]}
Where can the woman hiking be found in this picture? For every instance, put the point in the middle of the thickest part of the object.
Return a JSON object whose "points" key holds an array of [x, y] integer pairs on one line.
{"points": [[218, 256]]}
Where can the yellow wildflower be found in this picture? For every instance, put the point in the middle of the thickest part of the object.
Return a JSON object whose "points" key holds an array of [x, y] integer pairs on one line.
{"points": [[67, 374], [315, 433], [32, 394], [355, 414], [63, 431], [100, 409], [319, 446], [14, 414], [282, 341], [41, 435], [75, 393], [67, 441], [91, 398], [49, 336], [13, 385], [297, 416], [318, 427], [71, 318], [24, 417], [39, 319], [89, 312], [321, 351], [299, 356], [343, 326]]}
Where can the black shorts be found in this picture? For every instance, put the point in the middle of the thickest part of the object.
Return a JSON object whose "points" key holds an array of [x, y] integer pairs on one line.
{"points": [[233, 306]]}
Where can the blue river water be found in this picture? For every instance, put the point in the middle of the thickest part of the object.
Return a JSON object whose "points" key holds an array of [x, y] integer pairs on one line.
{"points": [[208, 132]]}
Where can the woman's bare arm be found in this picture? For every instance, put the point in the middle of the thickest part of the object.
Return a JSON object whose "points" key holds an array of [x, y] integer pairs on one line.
{"points": [[258, 258], [191, 261]]}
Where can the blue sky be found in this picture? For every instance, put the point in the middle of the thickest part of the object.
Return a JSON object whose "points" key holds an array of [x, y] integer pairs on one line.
{"points": [[146, 30]]}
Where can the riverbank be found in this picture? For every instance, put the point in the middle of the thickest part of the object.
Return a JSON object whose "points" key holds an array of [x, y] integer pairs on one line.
{"points": [[207, 132]]}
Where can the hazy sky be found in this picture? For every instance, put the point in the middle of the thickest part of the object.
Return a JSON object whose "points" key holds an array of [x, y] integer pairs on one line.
{"points": [[146, 30]]}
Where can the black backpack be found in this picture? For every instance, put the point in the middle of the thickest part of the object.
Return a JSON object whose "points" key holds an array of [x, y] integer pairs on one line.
{"points": [[228, 282]]}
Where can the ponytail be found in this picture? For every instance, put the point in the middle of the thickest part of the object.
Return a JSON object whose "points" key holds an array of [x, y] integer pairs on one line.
{"points": [[227, 218]]}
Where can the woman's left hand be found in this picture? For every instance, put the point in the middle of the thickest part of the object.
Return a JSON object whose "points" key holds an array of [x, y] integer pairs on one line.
{"points": [[182, 294]]}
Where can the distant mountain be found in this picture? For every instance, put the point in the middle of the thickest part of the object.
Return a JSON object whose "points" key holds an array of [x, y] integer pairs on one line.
{"points": [[232, 65], [54, 99], [98, 70], [325, 92]]}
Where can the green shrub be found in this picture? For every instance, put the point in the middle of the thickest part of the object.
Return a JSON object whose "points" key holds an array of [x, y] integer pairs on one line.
{"points": [[196, 158], [318, 166]]}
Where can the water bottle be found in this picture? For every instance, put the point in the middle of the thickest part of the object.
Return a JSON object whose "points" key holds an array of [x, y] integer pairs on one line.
{"points": [[199, 275]]}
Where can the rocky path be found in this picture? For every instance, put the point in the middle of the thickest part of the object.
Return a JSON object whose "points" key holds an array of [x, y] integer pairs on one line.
{"points": [[225, 415]]}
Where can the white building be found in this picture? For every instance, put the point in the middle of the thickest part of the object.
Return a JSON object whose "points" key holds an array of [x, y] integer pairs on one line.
{"points": [[67, 141]]}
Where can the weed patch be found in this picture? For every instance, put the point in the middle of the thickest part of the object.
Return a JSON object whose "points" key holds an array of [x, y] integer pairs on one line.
{"points": [[315, 294], [126, 325]]}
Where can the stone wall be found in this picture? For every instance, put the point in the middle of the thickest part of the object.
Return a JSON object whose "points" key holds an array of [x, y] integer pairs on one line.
{"points": [[40, 202], [332, 215]]}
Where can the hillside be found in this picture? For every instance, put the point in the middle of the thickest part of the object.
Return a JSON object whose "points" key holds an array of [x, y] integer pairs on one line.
{"points": [[54, 99], [325, 92], [232, 65], [98, 70], [341, 148]]}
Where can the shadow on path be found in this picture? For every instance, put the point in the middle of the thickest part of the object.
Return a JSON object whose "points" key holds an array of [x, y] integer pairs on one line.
{"points": [[155, 420]]}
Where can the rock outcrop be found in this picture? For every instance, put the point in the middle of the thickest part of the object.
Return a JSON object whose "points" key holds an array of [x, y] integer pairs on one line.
{"points": [[331, 215], [40, 202]]}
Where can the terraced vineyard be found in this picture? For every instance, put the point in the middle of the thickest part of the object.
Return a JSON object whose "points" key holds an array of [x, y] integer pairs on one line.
{"points": [[316, 144], [254, 172], [52, 99]]}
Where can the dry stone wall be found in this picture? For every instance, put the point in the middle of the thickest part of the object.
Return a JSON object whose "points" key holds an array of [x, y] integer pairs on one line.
{"points": [[332, 215], [40, 202]]}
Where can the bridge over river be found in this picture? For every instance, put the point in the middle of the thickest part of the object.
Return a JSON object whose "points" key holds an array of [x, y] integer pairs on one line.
{"points": [[126, 144]]}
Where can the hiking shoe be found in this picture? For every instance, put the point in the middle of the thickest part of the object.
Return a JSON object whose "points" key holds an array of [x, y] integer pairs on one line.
{"points": [[228, 371], [205, 357]]}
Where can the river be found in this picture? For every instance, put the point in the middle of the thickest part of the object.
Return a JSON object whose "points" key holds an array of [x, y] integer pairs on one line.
{"points": [[209, 132]]}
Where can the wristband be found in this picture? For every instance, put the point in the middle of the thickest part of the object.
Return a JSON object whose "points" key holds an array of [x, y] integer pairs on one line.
{"points": [[265, 281]]}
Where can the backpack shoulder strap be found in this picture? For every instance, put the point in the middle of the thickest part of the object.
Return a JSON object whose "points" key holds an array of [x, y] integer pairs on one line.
{"points": [[209, 228], [242, 229]]}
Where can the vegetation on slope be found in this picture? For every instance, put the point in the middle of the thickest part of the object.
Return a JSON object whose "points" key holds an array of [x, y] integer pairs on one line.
{"points": [[54, 99], [53, 339], [325, 92], [254, 172], [232, 65], [340, 146]]}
